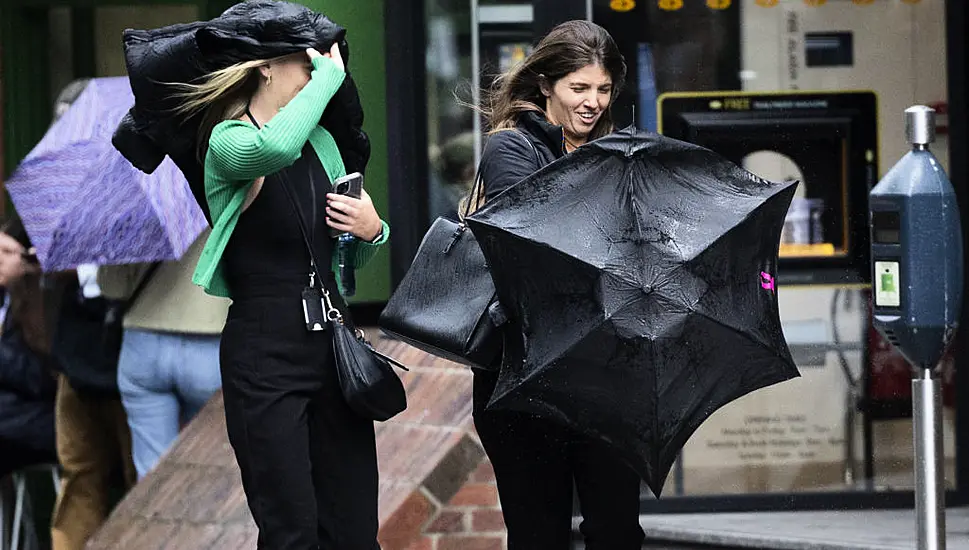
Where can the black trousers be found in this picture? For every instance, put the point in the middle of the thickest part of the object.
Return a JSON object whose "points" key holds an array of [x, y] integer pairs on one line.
{"points": [[540, 465], [308, 463]]}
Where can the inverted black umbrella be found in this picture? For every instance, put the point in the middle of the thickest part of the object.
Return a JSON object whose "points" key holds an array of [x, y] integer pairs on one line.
{"points": [[641, 272]]}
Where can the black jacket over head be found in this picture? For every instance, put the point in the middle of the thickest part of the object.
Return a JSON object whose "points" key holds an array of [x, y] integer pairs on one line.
{"points": [[184, 53]]}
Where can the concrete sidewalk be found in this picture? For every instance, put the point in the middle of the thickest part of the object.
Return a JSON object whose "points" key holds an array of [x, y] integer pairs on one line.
{"points": [[849, 530]]}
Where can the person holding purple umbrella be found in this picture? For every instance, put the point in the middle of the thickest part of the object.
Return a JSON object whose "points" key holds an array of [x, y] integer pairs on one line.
{"points": [[308, 462]]}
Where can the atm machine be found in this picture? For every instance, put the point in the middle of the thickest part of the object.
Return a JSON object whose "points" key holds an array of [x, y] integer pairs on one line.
{"points": [[828, 141]]}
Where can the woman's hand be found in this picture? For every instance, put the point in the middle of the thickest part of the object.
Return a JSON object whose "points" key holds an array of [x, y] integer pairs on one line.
{"points": [[13, 267], [355, 216], [333, 54], [313, 53]]}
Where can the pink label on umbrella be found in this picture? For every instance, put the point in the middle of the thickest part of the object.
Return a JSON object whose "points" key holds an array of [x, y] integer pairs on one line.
{"points": [[767, 281]]}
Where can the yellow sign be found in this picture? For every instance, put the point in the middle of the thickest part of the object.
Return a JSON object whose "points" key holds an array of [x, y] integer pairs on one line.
{"points": [[718, 4], [790, 250], [767, 3], [737, 103], [815, 2], [670, 5], [622, 5]]}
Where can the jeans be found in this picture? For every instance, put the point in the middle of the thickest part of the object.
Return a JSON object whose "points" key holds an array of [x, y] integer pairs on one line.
{"points": [[165, 379]]}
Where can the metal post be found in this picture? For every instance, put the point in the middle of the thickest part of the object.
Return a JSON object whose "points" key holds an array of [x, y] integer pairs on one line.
{"points": [[851, 409], [476, 79], [929, 471]]}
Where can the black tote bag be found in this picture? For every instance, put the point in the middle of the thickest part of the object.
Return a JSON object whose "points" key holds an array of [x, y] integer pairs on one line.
{"points": [[442, 304], [446, 303]]}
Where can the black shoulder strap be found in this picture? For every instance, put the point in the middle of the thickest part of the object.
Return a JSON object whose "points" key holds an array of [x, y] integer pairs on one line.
{"points": [[538, 158], [252, 118], [478, 189]]}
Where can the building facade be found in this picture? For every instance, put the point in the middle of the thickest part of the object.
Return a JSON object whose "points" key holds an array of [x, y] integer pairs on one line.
{"points": [[841, 434]]}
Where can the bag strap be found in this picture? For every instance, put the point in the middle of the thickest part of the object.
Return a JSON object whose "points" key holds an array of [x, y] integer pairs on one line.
{"points": [[476, 189], [538, 158]]}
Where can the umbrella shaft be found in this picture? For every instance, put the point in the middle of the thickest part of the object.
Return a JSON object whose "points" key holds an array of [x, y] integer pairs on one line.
{"points": [[929, 477]]}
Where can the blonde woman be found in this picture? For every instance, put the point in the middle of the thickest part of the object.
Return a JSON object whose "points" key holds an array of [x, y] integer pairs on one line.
{"points": [[308, 463]]}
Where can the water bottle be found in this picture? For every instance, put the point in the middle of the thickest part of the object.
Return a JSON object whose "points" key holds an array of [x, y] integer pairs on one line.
{"points": [[345, 262]]}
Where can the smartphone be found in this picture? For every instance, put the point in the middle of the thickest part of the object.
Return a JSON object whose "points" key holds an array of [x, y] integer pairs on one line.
{"points": [[350, 185]]}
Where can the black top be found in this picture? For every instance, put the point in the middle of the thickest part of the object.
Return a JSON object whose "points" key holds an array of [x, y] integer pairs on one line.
{"points": [[266, 250], [507, 159]]}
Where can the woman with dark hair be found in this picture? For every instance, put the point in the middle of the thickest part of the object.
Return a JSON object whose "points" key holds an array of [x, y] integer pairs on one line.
{"points": [[556, 100]]}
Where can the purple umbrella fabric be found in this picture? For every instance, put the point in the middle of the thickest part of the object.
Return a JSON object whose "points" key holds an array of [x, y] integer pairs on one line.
{"points": [[82, 202]]}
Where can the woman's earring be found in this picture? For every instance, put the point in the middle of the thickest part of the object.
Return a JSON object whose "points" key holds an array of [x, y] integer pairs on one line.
{"points": [[269, 79]]}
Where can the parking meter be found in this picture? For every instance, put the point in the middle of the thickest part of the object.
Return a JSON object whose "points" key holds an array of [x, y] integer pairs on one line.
{"points": [[916, 249], [916, 255]]}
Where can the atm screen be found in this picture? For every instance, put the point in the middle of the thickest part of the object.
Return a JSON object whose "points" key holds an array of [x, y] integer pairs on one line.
{"points": [[885, 227]]}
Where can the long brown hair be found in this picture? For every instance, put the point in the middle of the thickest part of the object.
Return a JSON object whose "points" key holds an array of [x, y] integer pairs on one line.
{"points": [[567, 48]]}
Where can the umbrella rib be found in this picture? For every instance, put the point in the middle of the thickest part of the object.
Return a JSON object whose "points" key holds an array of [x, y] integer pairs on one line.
{"points": [[743, 334], [533, 241], [535, 373]]}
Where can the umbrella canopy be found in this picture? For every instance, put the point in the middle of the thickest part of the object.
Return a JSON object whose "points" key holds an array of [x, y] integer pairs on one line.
{"points": [[640, 270], [82, 202]]}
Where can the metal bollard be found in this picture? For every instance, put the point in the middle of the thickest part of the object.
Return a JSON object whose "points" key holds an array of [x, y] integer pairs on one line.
{"points": [[929, 467]]}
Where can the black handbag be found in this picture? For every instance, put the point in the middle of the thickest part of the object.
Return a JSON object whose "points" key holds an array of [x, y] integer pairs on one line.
{"points": [[446, 303], [442, 304], [367, 379], [87, 339]]}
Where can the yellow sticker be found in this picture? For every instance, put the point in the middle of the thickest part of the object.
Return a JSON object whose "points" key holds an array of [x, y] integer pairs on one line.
{"points": [[718, 4], [670, 5], [622, 5], [767, 3], [815, 2]]}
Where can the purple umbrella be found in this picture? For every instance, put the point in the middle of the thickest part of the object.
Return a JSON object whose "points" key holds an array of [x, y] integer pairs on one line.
{"points": [[82, 202]]}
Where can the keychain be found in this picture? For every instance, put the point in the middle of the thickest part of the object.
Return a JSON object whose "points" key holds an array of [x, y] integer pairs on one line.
{"points": [[313, 306]]}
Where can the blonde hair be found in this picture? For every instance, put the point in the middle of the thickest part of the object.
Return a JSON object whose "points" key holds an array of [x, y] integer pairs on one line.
{"points": [[221, 95]]}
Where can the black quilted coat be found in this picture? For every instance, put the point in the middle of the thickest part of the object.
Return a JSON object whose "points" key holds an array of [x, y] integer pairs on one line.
{"points": [[256, 29]]}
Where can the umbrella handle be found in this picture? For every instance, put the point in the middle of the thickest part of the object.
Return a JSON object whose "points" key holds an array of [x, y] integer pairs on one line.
{"points": [[454, 238]]}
